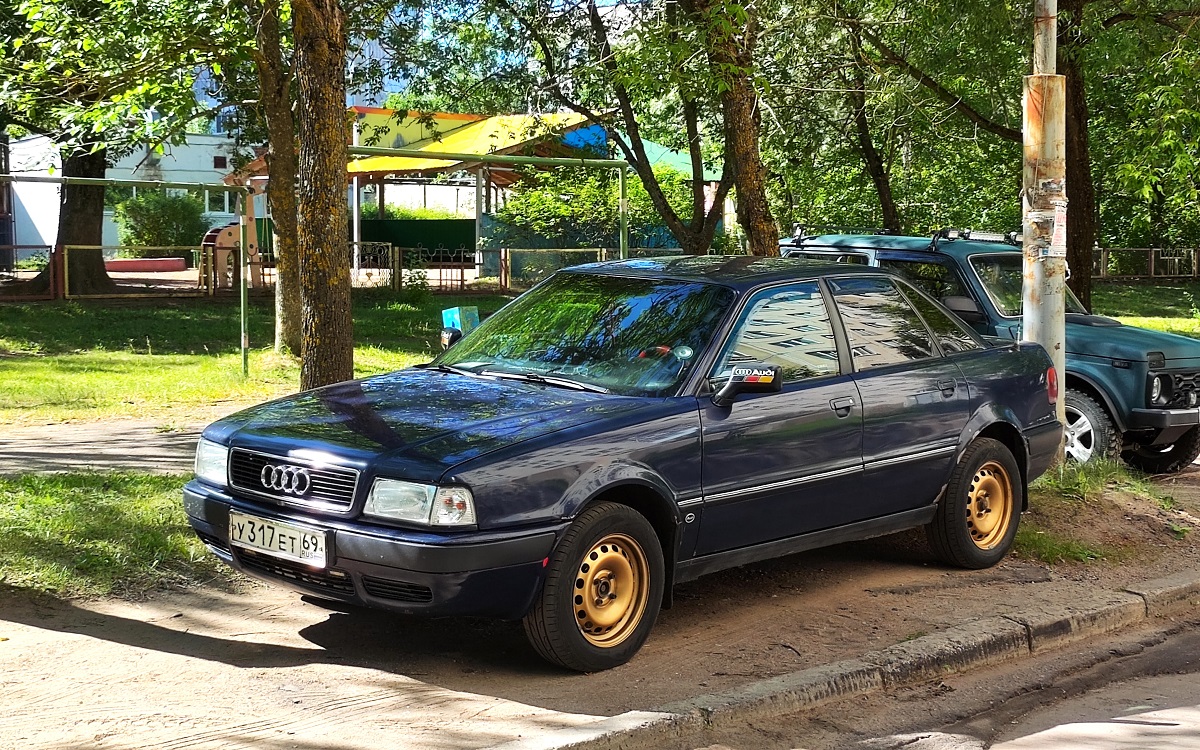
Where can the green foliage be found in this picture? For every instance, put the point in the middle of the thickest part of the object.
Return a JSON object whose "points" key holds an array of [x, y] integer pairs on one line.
{"points": [[157, 219], [390, 211], [1052, 548], [97, 534], [578, 208]]}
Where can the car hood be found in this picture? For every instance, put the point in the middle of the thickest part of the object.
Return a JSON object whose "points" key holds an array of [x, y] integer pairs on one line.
{"points": [[418, 422], [1103, 337]]}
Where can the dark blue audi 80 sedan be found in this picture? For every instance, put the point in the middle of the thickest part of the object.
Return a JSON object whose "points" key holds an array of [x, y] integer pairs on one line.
{"points": [[626, 426]]}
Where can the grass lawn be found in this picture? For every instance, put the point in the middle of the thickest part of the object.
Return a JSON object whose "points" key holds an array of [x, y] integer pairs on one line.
{"points": [[1163, 307], [178, 360], [98, 534]]}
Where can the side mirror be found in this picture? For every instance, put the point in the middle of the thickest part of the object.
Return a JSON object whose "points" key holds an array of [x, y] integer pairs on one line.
{"points": [[450, 337], [965, 308], [749, 379]]}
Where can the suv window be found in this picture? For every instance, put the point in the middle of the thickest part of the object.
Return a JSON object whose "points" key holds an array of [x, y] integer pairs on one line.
{"points": [[952, 336], [882, 326], [787, 326], [858, 258], [936, 279]]}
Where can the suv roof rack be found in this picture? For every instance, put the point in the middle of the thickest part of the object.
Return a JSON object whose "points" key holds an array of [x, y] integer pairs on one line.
{"points": [[948, 233], [814, 230]]}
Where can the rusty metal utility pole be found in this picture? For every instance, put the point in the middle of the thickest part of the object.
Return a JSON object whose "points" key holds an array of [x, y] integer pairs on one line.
{"points": [[1044, 197]]}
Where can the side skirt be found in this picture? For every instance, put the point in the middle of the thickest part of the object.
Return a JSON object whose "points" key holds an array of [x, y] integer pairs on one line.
{"points": [[691, 569]]}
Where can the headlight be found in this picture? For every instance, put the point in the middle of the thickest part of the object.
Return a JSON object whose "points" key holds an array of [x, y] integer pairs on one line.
{"points": [[1160, 389], [212, 462], [421, 503], [1155, 389]]}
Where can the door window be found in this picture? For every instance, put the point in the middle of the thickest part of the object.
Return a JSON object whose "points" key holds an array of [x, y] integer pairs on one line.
{"points": [[952, 336], [936, 279], [788, 326], [883, 328]]}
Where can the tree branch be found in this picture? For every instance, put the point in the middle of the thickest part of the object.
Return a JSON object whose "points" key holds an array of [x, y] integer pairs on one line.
{"points": [[953, 100]]}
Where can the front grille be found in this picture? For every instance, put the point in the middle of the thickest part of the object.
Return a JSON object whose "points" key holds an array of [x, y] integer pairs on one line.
{"points": [[397, 590], [1183, 383], [337, 581], [332, 486]]}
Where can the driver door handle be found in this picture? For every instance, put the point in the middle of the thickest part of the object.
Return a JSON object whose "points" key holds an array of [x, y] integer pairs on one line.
{"points": [[842, 406], [947, 387]]}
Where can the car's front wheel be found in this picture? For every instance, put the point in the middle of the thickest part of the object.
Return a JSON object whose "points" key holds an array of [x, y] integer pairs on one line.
{"points": [[1089, 432], [1165, 459], [977, 519], [603, 590]]}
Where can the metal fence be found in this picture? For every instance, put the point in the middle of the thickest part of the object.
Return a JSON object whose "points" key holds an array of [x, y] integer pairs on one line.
{"points": [[1145, 263]]}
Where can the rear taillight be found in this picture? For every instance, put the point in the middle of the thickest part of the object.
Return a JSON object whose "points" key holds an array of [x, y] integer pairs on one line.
{"points": [[1052, 385]]}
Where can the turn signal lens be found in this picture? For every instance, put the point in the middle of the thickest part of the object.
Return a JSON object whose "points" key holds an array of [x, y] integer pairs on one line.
{"points": [[453, 506], [1052, 385]]}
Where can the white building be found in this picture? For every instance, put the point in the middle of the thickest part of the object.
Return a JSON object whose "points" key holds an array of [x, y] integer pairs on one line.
{"points": [[201, 159]]}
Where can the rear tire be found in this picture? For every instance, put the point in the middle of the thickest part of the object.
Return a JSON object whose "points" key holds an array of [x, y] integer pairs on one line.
{"points": [[977, 519], [603, 590], [1168, 459]]}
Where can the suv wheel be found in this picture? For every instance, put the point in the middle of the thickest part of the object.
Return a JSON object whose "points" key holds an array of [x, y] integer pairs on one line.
{"points": [[1089, 433], [604, 586], [1165, 459], [976, 521]]}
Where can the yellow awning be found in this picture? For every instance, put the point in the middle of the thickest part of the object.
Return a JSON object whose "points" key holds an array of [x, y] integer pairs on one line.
{"points": [[495, 135]]}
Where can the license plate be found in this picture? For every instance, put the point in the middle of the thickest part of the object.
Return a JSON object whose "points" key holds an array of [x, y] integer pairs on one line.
{"points": [[284, 540]]}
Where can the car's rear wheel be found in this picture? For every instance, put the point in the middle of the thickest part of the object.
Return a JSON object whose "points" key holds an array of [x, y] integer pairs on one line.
{"points": [[977, 519], [604, 586], [1165, 459], [1089, 432]]}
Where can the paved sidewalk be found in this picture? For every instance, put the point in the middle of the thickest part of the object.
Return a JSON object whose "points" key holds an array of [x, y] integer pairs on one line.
{"points": [[124, 444]]}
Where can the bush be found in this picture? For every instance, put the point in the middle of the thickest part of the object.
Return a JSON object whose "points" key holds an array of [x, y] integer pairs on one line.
{"points": [[155, 219]]}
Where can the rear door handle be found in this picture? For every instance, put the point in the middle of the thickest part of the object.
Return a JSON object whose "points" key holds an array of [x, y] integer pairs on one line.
{"points": [[842, 406], [947, 387]]}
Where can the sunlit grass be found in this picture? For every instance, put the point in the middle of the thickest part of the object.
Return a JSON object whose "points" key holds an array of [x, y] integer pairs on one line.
{"points": [[98, 534], [179, 360]]}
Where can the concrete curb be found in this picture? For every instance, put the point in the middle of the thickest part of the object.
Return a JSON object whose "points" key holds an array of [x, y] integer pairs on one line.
{"points": [[967, 646]]}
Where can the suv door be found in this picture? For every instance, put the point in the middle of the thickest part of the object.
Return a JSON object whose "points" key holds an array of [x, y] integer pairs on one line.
{"points": [[915, 401], [780, 464]]}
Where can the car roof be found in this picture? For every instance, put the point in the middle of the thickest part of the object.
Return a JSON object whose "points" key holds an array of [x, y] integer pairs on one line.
{"points": [[959, 248], [737, 271]]}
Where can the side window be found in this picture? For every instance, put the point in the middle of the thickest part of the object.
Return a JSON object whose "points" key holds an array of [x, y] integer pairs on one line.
{"points": [[858, 258], [951, 335], [882, 327], [936, 279], [789, 327]]}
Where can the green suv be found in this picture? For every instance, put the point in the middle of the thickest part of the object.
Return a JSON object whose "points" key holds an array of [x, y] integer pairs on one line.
{"points": [[1130, 392]]}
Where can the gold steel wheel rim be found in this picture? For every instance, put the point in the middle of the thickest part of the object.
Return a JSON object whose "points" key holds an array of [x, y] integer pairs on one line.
{"points": [[989, 505], [612, 587]]}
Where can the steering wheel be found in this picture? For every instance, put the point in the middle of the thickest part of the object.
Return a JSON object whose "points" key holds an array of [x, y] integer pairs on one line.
{"points": [[654, 351]]}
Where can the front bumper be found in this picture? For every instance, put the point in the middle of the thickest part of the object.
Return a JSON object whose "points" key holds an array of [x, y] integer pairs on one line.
{"points": [[1159, 419], [484, 574]]}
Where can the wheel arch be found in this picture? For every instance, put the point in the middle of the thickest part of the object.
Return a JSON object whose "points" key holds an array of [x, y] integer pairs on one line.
{"points": [[1085, 384], [1002, 427], [657, 508]]}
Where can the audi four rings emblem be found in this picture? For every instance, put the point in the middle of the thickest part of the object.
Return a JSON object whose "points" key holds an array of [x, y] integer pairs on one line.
{"points": [[294, 480]]}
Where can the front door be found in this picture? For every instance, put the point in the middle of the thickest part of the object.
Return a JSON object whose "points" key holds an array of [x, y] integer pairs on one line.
{"points": [[780, 464]]}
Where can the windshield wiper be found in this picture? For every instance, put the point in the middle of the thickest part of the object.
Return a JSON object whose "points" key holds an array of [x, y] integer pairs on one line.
{"points": [[449, 368], [534, 377]]}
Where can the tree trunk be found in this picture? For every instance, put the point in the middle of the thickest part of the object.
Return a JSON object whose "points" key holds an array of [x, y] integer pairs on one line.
{"points": [[1081, 210], [734, 52], [327, 339], [866, 146], [274, 85], [81, 222]]}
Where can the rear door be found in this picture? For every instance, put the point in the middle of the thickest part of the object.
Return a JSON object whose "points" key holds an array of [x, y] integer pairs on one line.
{"points": [[915, 401]]}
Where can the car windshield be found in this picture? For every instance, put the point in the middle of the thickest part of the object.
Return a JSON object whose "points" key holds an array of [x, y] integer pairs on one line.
{"points": [[631, 336], [1001, 276]]}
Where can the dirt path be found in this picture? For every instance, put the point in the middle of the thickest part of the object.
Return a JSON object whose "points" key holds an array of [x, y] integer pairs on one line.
{"points": [[261, 667]]}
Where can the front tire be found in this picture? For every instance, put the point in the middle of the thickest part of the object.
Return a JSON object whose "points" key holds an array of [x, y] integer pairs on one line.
{"points": [[1089, 432], [603, 590], [977, 519], [1165, 459]]}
